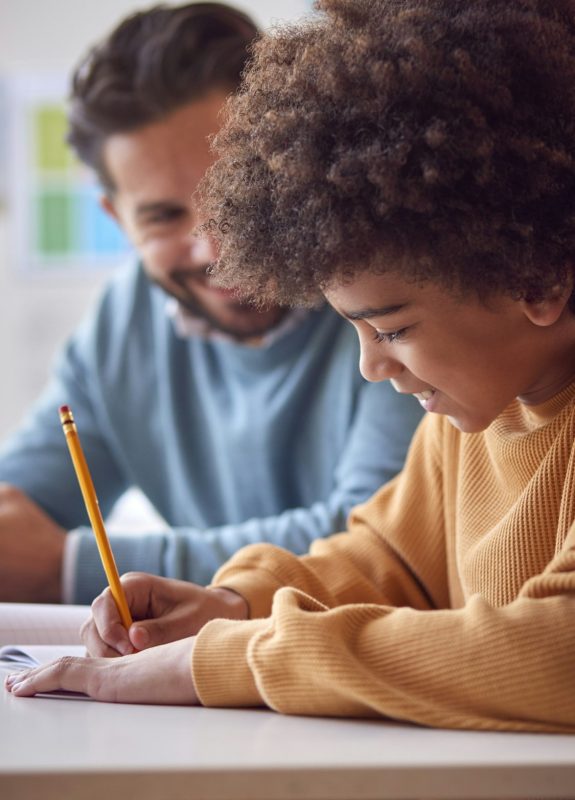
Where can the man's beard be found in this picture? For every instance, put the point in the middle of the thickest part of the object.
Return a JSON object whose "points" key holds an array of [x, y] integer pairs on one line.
{"points": [[190, 303]]}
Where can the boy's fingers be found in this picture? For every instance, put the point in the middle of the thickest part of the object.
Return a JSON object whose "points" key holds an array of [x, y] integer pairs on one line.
{"points": [[66, 673], [104, 634], [169, 628], [96, 646], [150, 634]]}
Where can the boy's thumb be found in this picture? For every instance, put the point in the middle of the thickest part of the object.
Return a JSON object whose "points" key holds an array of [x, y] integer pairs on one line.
{"points": [[146, 634]]}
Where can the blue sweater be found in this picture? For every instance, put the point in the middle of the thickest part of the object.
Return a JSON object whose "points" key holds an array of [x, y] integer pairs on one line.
{"points": [[232, 444]]}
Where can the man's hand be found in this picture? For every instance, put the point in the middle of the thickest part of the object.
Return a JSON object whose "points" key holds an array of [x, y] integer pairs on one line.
{"points": [[164, 610], [159, 675], [31, 550]]}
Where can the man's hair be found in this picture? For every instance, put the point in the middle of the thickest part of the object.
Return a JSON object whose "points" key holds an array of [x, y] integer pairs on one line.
{"points": [[154, 62], [431, 137]]}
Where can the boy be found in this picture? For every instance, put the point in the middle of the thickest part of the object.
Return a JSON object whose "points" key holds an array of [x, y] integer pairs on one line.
{"points": [[418, 156]]}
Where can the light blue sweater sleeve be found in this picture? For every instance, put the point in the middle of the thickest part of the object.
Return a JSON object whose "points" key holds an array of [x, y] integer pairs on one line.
{"points": [[375, 452], [36, 457]]}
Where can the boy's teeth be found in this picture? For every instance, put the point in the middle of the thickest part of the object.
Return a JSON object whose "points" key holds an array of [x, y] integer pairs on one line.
{"points": [[425, 395]]}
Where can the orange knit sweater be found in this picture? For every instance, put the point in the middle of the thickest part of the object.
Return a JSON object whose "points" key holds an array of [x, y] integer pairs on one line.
{"points": [[450, 602]]}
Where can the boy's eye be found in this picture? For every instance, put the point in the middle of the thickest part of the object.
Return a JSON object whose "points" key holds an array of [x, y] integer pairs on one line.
{"points": [[390, 338]]}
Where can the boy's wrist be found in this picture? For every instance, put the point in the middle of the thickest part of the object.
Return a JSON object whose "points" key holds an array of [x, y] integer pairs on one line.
{"points": [[233, 603]]}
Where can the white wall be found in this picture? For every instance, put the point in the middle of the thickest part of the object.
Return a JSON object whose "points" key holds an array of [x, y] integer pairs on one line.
{"points": [[37, 313]]}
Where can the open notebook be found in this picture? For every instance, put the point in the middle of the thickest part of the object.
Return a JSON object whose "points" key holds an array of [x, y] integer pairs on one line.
{"points": [[34, 634]]}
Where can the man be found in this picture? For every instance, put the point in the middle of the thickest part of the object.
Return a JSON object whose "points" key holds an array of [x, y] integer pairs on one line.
{"points": [[223, 415]]}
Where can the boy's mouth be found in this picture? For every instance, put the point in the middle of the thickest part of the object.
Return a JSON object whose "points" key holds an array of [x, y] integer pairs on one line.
{"points": [[425, 397]]}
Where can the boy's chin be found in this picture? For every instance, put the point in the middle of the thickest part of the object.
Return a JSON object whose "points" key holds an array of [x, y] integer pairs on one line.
{"points": [[466, 425]]}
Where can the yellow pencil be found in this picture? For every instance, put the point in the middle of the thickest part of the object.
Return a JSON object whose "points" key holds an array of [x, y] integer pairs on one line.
{"points": [[94, 513]]}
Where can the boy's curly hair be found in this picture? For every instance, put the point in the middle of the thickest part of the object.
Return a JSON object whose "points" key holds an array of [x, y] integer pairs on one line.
{"points": [[435, 137]]}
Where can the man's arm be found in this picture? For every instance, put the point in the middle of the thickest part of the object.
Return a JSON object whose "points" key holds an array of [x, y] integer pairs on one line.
{"points": [[36, 457], [41, 499], [375, 451]]}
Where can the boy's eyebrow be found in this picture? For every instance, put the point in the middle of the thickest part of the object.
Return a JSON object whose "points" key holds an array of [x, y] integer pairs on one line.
{"points": [[369, 313]]}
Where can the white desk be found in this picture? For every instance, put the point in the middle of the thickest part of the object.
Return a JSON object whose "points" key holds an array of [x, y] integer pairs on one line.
{"points": [[82, 750]]}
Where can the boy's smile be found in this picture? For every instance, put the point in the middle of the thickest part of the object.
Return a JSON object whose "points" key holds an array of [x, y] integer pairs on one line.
{"points": [[460, 356]]}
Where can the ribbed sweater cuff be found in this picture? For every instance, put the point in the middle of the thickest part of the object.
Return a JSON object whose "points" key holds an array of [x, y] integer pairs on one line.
{"points": [[256, 586], [220, 669]]}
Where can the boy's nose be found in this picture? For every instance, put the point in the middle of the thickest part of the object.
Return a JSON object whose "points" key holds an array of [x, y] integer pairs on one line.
{"points": [[376, 363]]}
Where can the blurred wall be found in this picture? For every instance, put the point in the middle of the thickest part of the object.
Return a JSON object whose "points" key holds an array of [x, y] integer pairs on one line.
{"points": [[38, 312]]}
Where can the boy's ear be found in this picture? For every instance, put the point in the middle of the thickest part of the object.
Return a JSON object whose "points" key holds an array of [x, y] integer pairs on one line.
{"points": [[547, 312]]}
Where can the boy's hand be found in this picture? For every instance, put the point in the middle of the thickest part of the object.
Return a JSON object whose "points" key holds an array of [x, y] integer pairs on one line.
{"points": [[160, 675], [163, 610]]}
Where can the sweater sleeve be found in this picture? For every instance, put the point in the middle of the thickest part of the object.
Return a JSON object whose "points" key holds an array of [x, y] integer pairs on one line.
{"points": [[477, 667], [36, 459], [363, 627], [362, 565], [374, 453]]}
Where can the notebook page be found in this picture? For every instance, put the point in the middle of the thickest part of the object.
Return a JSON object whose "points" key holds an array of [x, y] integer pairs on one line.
{"points": [[32, 655], [39, 623]]}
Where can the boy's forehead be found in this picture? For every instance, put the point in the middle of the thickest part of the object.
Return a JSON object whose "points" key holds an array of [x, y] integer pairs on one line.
{"points": [[383, 296], [371, 295]]}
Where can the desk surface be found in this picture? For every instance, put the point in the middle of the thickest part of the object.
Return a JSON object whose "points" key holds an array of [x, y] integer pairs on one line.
{"points": [[79, 749]]}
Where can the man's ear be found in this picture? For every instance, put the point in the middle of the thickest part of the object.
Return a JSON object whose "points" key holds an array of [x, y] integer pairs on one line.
{"points": [[107, 205], [546, 312]]}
